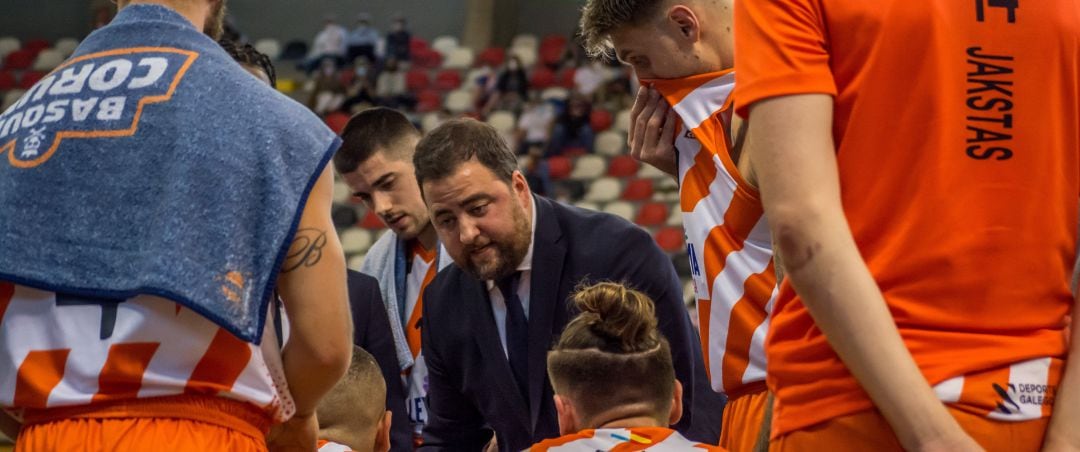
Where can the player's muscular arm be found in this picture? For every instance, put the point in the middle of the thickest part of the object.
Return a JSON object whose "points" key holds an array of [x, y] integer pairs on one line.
{"points": [[312, 287], [789, 141]]}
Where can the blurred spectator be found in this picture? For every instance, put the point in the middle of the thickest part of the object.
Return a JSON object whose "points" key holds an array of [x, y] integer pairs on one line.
{"points": [[329, 45], [511, 88], [589, 78], [615, 95], [534, 125], [103, 14], [329, 93], [397, 41], [362, 90], [572, 129], [363, 39], [391, 89], [537, 173]]}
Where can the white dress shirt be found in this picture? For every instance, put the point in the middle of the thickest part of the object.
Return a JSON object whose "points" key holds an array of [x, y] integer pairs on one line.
{"points": [[498, 304]]}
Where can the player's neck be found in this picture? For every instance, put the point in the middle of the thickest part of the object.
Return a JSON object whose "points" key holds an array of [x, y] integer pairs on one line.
{"points": [[428, 238], [194, 12], [631, 422], [344, 435]]}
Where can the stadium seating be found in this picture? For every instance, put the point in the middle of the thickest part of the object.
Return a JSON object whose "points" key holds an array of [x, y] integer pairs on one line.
{"points": [[492, 56], [670, 239], [559, 167], [7, 80], [566, 78], [604, 189], [527, 55], [355, 262], [429, 121], [555, 93], [652, 214], [29, 78], [48, 60], [675, 218], [417, 80], [623, 166], [20, 59], [622, 209], [542, 78], [650, 172], [444, 45], [600, 120], [9, 44], [502, 121], [525, 40], [460, 58], [37, 45], [337, 121], [459, 101], [428, 101], [371, 221], [622, 120], [588, 205], [269, 47], [11, 97], [610, 143], [66, 46], [638, 190], [355, 240], [447, 80], [588, 167]]}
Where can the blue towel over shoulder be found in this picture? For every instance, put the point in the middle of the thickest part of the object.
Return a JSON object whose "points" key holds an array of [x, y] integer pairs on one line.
{"points": [[152, 163]]}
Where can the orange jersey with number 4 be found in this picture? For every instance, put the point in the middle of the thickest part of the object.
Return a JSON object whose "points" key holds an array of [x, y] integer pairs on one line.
{"points": [[957, 133]]}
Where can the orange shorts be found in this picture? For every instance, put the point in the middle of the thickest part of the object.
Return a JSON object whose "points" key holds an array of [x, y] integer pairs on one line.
{"points": [[183, 424], [868, 429], [744, 416]]}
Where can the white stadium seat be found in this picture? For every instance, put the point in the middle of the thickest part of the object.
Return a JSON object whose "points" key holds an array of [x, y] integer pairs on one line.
{"points": [[604, 189], [444, 45], [66, 46], [588, 167], [459, 101], [610, 143], [459, 58], [503, 121], [48, 60], [269, 47]]}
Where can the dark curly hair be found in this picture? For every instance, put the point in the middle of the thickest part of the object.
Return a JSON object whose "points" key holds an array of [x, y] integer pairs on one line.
{"points": [[246, 54]]}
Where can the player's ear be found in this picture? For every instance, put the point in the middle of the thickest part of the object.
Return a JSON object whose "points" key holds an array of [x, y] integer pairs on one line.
{"points": [[685, 21], [567, 415]]}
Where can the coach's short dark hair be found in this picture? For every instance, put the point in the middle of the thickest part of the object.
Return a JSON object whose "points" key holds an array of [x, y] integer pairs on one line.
{"points": [[370, 131], [457, 141]]}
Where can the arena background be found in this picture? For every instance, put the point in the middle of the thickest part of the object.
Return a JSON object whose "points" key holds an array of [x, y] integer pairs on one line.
{"points": [[459, 53]]}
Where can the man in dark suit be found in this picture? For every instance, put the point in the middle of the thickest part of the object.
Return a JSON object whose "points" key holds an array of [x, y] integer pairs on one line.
{"points": [[371, 331], [489, 320]]}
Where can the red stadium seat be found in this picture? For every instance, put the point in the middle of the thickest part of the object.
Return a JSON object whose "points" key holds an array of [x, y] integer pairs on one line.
{"points": [[574, 152], [7, 80], [542, 78], [623, 166], [427, 59], [20, 59], [551, 55], [559, 167], [29, 78], [417, 80], [428, 101], [670, 239], [600, 120], [566, 78], [652, 214], [337, 121], [371, 221], [553, 41], [638, 190], [417, 44], [449, 79], [37, 45], [492, 56]]}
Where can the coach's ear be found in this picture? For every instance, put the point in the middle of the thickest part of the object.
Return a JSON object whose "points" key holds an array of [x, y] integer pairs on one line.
{"points": [[676, 405], [686, 21]]}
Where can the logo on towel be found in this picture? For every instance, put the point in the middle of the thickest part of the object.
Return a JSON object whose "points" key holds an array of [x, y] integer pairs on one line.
{"points": [[99, 95]]}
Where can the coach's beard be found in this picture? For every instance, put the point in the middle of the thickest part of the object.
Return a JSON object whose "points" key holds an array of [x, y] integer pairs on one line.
{"points": [[507, 254]]}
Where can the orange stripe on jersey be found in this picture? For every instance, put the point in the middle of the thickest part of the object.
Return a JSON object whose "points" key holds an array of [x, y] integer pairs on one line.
{"points": [[730, 237], [695, 184], [220, 366], [412, 328], [982, 386], [38, 374], [749, 312], [122, 375], [7, 292]]}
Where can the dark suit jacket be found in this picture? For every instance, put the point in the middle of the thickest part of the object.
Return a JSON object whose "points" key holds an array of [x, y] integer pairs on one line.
{"points": [[471, 388], [371, 331]]}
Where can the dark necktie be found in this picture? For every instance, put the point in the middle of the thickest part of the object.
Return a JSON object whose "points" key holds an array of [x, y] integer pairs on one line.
{"points": [[517, 334]]}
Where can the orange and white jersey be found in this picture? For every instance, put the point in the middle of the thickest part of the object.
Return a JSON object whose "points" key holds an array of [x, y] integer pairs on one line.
{"points": [[62, 351], [657, 439], [330, 446], [727, 236], [421, 273], [1016, 392]]}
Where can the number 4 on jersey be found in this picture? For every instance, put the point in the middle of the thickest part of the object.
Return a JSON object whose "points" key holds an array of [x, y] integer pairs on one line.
{"points": [[980, 8]]}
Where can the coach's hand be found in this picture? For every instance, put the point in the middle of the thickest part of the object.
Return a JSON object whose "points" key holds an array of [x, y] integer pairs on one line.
{"points": [[652, 131], [298, 434]]}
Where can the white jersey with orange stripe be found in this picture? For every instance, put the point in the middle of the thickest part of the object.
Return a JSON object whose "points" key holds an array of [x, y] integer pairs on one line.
{"points": [[60, 351], [727, 235], [656, 439]]}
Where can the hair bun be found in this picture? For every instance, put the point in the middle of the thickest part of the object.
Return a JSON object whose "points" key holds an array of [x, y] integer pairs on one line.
{"points": [[624, 316]]}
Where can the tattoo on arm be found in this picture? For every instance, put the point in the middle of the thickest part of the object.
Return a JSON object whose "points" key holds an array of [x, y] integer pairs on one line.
{"points": [[306, 249]]}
